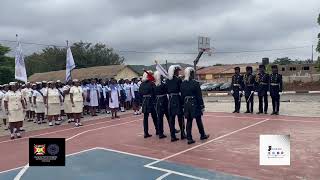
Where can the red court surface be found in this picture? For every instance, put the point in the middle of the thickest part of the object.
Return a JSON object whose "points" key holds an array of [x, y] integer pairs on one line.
{"points": [[233, 146]]}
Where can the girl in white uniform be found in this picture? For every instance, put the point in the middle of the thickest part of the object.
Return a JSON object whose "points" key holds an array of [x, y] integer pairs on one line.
{"points": [[67, 101], [127, 87], [53, 103], [3, 114], [15, 108], [114, 98], [136, 96], [93, 96], [77, 99], [38, 101]]}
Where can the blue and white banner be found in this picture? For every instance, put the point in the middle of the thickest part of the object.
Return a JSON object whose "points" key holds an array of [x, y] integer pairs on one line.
{"points": [[70, 65], [20, 67], [162, 71]]}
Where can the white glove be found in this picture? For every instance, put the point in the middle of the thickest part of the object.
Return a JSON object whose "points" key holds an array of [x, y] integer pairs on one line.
{"points": [[280, 93], [268, 93], [252, 92], [241, 92], [232, 92]]}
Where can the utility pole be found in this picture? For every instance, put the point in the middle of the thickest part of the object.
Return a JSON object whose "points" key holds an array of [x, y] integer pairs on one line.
{"points": [[167, 65], [312, 53]]}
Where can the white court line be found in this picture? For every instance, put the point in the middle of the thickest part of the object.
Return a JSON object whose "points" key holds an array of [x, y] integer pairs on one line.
{"points": [[163, 176], [72, 128], [199, 145], [25, 168], [248, 117]]}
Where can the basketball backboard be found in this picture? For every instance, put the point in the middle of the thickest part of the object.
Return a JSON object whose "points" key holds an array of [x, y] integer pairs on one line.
{"points": [[203, 43]]}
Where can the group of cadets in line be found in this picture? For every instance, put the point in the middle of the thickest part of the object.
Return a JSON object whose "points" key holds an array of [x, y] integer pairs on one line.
{"points": [[262, 83], [172, 98]]}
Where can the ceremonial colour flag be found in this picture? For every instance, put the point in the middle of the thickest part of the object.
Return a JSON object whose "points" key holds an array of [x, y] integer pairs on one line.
{"points": [[162, 71], [20, 67], [70, 65]]}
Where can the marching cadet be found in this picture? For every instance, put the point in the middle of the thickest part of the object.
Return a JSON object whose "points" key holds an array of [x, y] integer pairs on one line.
{"points": [[249, 82], [161, 104], [175, 103], [15, 108], [38, 101], [236, 89], [146, 90], [193, 104], [275, 89], [262, 87]]}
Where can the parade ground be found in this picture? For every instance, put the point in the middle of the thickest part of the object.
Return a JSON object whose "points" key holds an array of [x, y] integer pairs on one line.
{"points": [[115, 149]]}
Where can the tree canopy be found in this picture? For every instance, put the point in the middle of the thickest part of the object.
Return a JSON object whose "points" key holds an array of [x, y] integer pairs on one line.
{"points": [[84, 54], [318, 47], [6, 66]]}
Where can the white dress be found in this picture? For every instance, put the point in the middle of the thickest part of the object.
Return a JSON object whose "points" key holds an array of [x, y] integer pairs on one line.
{"points": [[15, 107], [127, 88], [3, 114], [77, 93], [85, 92], [67, 101], [114, 96], [53, 102], [39, 106], [93, 95]]}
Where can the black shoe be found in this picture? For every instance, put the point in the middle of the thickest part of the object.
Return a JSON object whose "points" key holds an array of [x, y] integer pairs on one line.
{"points": [[276, 113], [191, 141], [205, 137], [259, 112], [147, 135], [238, 112], [247, 112], [183, 136], [265, 112], [162, 136], [174, 139], [177, 131], [234, 111], [273, 113]]}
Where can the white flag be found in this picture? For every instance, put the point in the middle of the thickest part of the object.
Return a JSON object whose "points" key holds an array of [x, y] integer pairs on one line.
{"points": [[20, 67], [162, 71], [70, 65]]}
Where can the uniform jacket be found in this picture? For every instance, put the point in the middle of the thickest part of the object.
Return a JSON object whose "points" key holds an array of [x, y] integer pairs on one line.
{"points": [[146, 90], [192, 98], [175, 101], [262, 83], [237, 84], [161, 98], [249, 83], [275, 84]]}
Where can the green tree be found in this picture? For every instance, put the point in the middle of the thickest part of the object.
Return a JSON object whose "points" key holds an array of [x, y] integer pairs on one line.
{"points": [[6, 66], [283, 61], [318, 46], [84, 54]]}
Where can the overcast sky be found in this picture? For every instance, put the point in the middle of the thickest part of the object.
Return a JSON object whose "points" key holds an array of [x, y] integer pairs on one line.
{"points": [[167, 26]]}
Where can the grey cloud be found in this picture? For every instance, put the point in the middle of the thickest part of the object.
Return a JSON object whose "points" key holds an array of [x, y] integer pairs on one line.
{"points": [[167, 25]]}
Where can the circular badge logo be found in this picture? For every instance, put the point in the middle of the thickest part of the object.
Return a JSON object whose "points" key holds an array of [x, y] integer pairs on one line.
{"points": [[53, 149]]}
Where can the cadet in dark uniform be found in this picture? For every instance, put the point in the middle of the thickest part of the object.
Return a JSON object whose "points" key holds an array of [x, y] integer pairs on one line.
{"points": [[193, 104], [146, 90], [249, 82], [236, 89], [275, 89], [175, 102], [161, 104], [262, 87]]}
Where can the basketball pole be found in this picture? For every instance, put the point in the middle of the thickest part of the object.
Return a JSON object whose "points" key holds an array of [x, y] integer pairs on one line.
{"points": [[195, 62]]}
